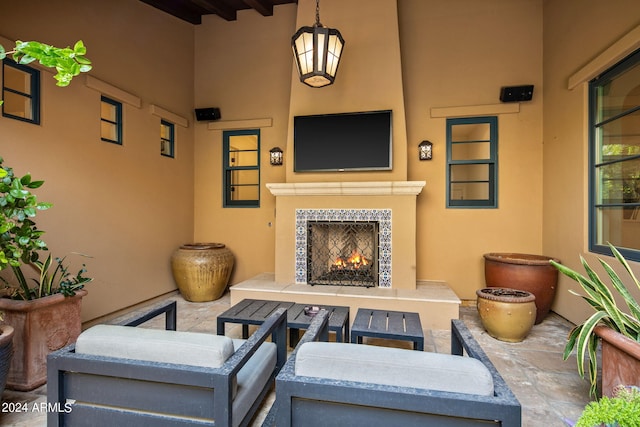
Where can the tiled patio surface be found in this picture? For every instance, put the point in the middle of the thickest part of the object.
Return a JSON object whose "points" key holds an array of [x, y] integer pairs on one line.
{"points": [[548, 388]]}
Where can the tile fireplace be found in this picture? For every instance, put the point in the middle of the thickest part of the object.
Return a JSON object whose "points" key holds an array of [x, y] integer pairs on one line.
{"points": [[346, 247], [389, 207]]}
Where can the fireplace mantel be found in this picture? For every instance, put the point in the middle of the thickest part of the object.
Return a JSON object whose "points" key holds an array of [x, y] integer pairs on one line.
{"points": [[366, 188]]}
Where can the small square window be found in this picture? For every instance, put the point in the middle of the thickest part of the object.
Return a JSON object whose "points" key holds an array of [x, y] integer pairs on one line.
{"points": [[111, 120], [167, 139], [20, 92]]}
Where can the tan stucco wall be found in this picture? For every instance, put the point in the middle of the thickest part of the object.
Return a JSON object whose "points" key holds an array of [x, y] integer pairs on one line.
{"points": [[452, 54], [369, 79], [575, 33], [129, 207], [126, 206], [459, 54], [243, 67]]}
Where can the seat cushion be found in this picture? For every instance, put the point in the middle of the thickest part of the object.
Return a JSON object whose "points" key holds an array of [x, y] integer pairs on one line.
{"points": [[394, 366], [156, 345]]}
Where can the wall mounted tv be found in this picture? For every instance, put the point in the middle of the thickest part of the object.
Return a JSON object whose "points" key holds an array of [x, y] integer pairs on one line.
{"points": [[342, 142]]}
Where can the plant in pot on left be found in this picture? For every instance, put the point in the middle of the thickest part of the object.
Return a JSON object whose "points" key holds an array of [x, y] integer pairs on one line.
{"points": [[19, 245], [42, 300]]}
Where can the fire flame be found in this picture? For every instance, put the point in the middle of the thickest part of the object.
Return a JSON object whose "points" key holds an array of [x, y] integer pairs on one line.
{"points": [[355, 261]]}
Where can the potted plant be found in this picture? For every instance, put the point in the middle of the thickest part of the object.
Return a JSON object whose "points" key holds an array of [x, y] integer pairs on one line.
{"points": [[42, 303], [617, 327], [19, 245], [621, 409]]}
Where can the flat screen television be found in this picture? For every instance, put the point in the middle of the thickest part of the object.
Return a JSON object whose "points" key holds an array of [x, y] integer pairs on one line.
{"points": [[342, 142]]}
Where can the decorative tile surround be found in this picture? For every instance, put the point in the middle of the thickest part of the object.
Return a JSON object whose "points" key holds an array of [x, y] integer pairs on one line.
{"points": [[381, 216], [391, 203]]}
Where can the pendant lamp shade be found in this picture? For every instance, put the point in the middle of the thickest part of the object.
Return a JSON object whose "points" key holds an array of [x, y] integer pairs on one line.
{"points": [[317, 52]]}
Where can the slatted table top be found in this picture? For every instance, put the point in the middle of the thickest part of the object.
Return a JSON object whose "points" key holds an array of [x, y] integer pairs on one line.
{"points": [[388, 324]]}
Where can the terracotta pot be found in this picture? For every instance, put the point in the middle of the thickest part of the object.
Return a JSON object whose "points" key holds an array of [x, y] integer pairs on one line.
{"points": [[40, 326], [620, 360], [6, 352], [531, 273], [202, 270], [506, 314]]}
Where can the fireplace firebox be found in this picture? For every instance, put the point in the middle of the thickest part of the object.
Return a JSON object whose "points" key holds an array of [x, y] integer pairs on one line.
{"points": [[343, 253]]}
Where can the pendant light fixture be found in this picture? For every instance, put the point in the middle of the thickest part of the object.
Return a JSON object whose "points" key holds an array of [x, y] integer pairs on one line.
{"points": [[317, 52]]}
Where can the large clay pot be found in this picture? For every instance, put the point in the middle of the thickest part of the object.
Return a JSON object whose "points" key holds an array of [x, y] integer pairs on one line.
{"points": [[40, 326], [202, 270], [620, 360], [506, 314], [6, 352], [531, 273]]}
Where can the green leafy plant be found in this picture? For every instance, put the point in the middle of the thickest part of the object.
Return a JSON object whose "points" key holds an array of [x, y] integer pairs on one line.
{"points": [[623, 409], [68, 62], [19, 236], [607, 312], [53, 277]]}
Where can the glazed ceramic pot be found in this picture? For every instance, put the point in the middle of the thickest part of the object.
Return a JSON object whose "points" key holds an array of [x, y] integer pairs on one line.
{"points": [[506, 314], [525, 272], [202, 270]]}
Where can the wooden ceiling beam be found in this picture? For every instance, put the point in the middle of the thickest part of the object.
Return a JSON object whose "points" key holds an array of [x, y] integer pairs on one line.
{"points": [[216, 7], [264, 7], [176, 10]]}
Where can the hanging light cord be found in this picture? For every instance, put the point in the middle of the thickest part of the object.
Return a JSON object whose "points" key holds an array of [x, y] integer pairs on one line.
{"points": [[318, 24]]}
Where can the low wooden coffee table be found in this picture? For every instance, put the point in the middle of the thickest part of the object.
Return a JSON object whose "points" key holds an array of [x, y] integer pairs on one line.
{"points": [[254, 312], [396, 325]]}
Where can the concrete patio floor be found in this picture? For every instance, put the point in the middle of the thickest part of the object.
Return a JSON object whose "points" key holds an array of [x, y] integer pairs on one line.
{"points": [[548, 388]]}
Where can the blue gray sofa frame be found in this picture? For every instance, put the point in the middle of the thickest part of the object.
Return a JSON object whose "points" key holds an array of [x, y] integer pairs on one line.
{"points": [[112, 391], [309, 401]]}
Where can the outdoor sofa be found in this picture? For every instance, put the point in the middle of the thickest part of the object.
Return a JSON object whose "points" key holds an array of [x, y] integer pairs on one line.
{"points": [[126, 376], [322, 385]]}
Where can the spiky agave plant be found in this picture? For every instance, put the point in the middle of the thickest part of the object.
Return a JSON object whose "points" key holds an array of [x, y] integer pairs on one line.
{"points": [[607, 311]]}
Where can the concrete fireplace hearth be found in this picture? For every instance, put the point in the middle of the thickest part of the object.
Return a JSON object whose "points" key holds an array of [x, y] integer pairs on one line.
{"points": [[392, 206]]}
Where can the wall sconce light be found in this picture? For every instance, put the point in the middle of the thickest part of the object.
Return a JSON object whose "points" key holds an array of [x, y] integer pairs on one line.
{"points": [[317, 52], [426, 150], [275, 156]]}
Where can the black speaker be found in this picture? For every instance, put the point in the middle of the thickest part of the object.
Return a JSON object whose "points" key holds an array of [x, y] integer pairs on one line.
{"points": [[516, 93], [207, 114]]}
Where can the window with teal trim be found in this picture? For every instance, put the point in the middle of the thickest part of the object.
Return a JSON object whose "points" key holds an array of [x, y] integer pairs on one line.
{"points": [[472, 162], [167, 139], [110, 120], [241, 166], [614, 159], [20, 92]]}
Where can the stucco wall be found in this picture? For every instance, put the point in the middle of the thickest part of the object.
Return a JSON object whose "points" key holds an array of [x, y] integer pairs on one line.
{"points": [[129, 207], [459, 54], [575, 33], [126, 206], [451, 54]]}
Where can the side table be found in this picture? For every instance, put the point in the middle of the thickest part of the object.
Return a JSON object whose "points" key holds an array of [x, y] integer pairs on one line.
{"points": [[396, 325]]}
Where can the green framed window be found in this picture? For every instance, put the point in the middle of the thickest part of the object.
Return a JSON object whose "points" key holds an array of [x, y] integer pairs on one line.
{"points": [[614, 159], [241, 166], [167, 139], [110, 120], [472, 162], [20, 92]]}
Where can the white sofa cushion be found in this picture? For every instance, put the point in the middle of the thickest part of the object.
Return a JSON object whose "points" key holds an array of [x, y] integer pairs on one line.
{"points": [[393, 366], [186, 348], [156, 345]]}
